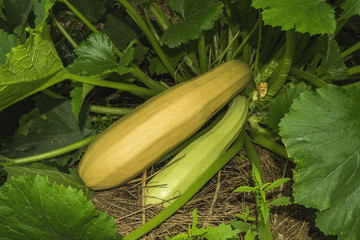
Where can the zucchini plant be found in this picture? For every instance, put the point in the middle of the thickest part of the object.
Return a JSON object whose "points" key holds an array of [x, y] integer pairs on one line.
{"points": [[59, 57]]}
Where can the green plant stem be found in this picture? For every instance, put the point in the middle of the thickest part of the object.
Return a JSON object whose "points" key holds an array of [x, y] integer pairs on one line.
{"points": [[64, 32], [264, 230], [308, 77], [150, 36], [271, 145], [202, 53], [51, 154], [137, 73], [159, 15], [53, 94], [216, 46], [245, 40], [277, 81], [186, 196], [251, 153], [80, 16], [138, 91], [93, 108], [231, 41], [148, 22], [258, 47], [354, 70], [350, 50], [109, 110]]}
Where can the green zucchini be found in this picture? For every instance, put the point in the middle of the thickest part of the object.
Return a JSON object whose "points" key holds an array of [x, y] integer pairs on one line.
{"points": [[183, 170]]}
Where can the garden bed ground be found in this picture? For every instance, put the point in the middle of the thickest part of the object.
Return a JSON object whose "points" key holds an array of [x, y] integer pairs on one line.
{"points": [[215, 203]]}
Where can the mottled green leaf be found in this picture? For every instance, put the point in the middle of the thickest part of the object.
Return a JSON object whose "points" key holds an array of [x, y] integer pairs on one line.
{"points": [[197, 15], [305, 16], [32, 208], [322, 133], [30, 67], [36, 59]]}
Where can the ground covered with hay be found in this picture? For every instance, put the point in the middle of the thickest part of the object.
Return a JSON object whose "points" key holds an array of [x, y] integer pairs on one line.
{"points": [[215, 203]]}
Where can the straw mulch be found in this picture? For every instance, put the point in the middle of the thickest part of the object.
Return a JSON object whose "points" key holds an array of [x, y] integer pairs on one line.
{"points": [[215, 203]]}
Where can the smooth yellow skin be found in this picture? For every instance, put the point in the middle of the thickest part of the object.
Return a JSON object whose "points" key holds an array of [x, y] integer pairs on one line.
{"points": [[138, 140]]}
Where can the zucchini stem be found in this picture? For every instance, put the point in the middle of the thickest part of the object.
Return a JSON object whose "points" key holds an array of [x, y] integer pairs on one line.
{"points": [[159, 15], [308, 77], [51, 154], [203, 61], [354, 70], [109, 110], [144, 93], [64, 32], [269, 144], [350, 50]]}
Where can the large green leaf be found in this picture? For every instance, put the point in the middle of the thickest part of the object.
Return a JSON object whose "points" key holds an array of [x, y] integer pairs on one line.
{"points": [[10, 94], [30, 67], [197, 15], [314, 17], [31, 209], [322, 133], [36, 59]]}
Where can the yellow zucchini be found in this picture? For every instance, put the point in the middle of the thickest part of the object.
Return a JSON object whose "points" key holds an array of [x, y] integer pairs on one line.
{"points": [[138, 140], [188, 165]]}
